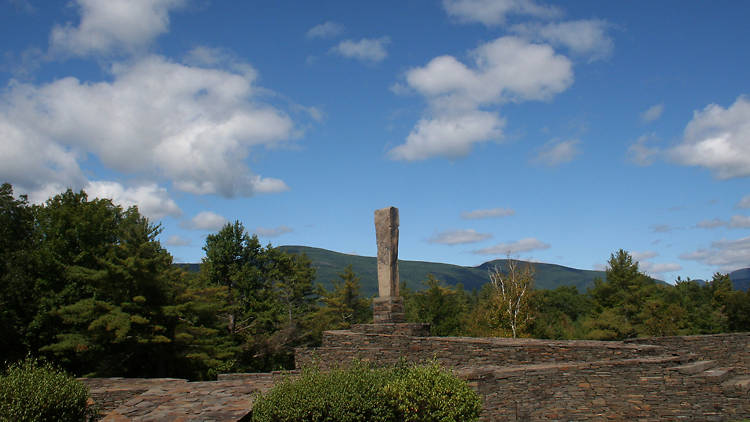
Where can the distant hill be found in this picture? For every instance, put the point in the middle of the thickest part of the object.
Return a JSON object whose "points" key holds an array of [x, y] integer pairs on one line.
{"points": [[740, 279], [329, 264]]}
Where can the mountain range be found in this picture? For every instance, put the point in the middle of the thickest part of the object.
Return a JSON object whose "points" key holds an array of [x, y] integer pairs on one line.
{"points": [[330, 264]]}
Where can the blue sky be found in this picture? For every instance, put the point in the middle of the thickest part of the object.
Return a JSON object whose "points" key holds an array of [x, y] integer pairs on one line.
{"points": [[553, 132]]}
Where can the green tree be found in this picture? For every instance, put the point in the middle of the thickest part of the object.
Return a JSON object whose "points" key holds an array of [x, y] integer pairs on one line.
{"points": [[18, 264], [120, 327], [269, 295], [441, 306], [342, 306]]}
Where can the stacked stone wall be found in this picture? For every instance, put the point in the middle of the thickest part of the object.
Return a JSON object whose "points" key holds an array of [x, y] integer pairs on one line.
{"points": [[459, 352], [728, 350], [647, 389]]}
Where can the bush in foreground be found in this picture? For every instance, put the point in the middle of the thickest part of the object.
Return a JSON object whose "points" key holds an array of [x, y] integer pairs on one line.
{"points": [[361, 393], [32, 391]]}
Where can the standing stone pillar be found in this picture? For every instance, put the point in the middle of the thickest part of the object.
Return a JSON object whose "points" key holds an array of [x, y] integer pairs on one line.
{"points": [[389, 306]]}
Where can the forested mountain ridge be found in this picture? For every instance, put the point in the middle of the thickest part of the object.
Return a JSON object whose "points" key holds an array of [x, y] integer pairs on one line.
{"points": [[329, 264]]}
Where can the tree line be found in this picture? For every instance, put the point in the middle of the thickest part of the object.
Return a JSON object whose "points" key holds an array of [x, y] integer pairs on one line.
{"points": [[86, 284], [626, 304]]}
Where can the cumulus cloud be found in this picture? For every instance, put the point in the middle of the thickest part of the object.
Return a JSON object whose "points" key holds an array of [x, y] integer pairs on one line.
{"points": [[194, 126], [744, 202], [176, 240], [205, 220], [449, 136], [367, 49], [653, 113], [458, 237], [727, 255], [556, 152], [717, 139], [152, 201], [512, 248], [326, 29], [494, 12], [111, 25], [639, 153], [503, 70], [582, 37], [273, 232], [487, 213]]}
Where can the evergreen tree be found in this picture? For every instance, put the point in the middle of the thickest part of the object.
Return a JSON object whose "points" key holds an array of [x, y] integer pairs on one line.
{"points": [[342, 306]]}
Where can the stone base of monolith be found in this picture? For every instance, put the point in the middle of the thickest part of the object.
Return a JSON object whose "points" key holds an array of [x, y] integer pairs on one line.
{"points": [[387, 310], [413, 329]]}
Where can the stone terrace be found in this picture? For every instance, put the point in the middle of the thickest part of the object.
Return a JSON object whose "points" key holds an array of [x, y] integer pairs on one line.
{"points": [[703, 378], [230, 398]]}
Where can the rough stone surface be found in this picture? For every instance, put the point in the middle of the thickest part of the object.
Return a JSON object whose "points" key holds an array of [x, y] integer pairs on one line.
{"points": [[386, 234], [651, 379], [694, 378], [387, 310], [127, 399], [415, 329]]}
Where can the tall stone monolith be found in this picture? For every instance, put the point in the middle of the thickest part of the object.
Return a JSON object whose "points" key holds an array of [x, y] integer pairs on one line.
{"points": [[388, 307]]}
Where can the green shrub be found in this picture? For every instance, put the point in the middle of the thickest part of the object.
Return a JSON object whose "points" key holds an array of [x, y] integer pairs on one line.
{"points": [[430, 393], [361, 393], [35, 391]]}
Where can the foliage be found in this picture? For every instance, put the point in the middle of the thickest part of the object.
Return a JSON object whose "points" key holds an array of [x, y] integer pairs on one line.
{"points": [[269, 297], [443, 307], [509, 308], [342, 306], [362, 393], [31, 390]]}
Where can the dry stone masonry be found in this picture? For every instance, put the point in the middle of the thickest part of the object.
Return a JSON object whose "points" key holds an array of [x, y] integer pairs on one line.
{"points": [[388, 307]]}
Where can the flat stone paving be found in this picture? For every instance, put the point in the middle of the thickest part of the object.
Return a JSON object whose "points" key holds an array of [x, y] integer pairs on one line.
{"points": [[226, 400]]}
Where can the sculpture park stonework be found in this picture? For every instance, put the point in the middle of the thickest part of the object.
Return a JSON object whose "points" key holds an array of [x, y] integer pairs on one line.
{"points": [[694, 378], [388, 307]]}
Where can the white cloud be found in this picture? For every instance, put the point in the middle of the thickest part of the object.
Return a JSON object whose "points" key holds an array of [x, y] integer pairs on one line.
{"points": [[503, 70], [458, 237], [191, 125], [366, 49], [494, 12], [727, 255], [644, 255], [488, 213], [152, 201], [717, 138], [449, 136], [640, 153], [740, 221], [273, 232], [326, 29], [111, 25], [581, 37], [653, 113], [556, 152], [658, 269], [744, 202], [205, 220], [176, 240], [711, 224], [512, 248]]}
